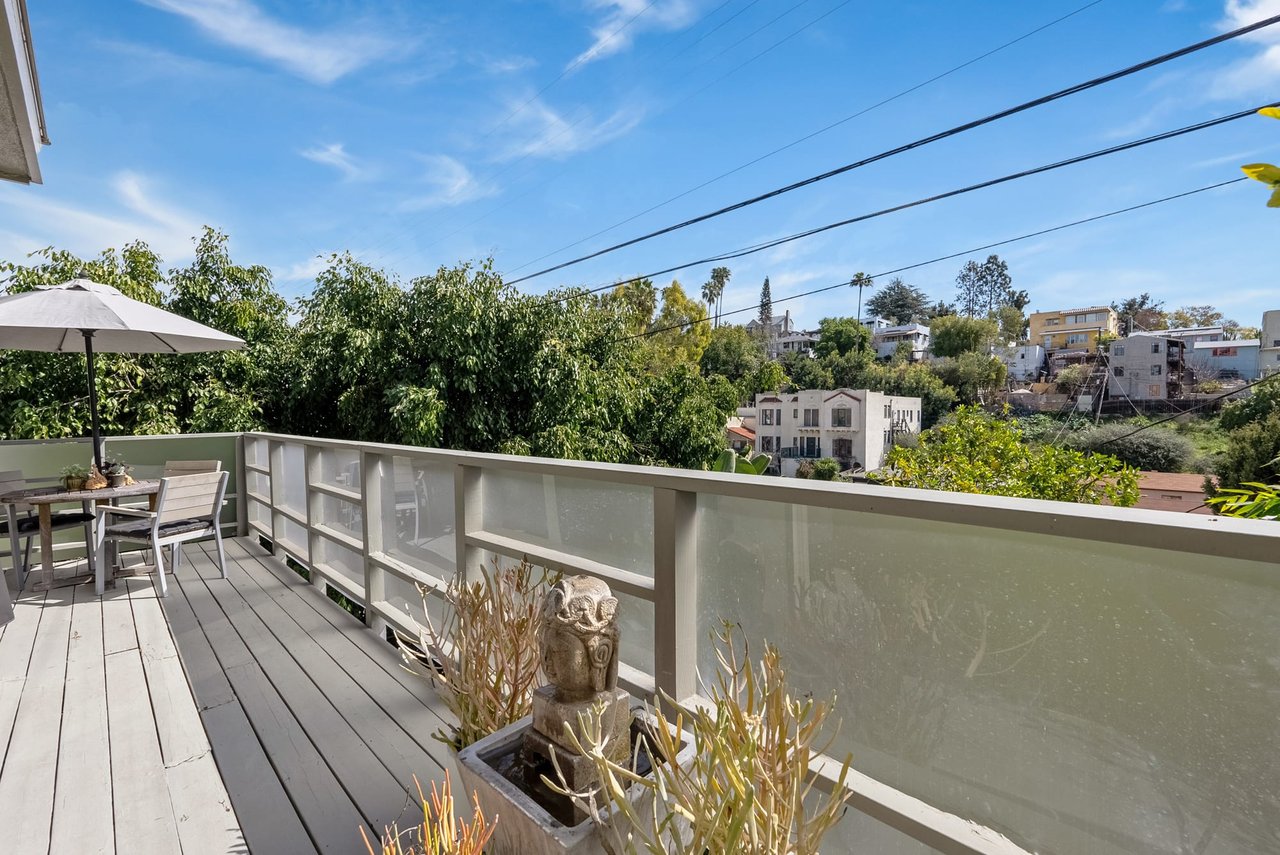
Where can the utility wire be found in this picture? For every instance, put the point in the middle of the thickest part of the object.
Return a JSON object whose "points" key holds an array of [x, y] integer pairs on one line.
{"points": [[770, 244], [809, 136], [1196, 408], [941, 258], [959, 129]]}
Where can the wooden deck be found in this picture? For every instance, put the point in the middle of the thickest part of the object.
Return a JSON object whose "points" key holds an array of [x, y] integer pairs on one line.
{"points": [[241, 715]]}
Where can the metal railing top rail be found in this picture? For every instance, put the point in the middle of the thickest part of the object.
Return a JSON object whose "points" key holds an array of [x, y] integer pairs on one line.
{"points": [[1223, 537]]}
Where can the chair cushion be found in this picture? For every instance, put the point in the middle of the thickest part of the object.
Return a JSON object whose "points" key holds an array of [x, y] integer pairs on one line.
{"points": [[142, 528], [61, 519]]}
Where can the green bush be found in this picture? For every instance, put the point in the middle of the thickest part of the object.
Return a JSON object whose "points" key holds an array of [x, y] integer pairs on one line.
{"points": [[1157, 449], [1252, 453], [826, 469], [1264, 401]]}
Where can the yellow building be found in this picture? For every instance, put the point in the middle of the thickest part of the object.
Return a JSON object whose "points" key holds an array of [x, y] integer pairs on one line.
{"points": [[1074, 329]]}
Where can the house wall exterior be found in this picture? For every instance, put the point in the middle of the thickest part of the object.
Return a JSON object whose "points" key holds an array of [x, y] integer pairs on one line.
{"points": [[1143, 367], [1214, 360], [1073, 329], [1023, 361], [1269, 352], [1194, 334], [854, 426], [885, 340]]}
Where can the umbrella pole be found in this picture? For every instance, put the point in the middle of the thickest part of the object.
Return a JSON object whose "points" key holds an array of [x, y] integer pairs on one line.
{"points": [[93, 398]]}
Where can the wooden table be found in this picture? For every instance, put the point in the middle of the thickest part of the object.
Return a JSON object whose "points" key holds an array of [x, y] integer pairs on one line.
{"points": [[43, 498]]}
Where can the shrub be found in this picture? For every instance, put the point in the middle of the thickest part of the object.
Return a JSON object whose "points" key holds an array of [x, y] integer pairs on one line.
{"points": [[485, 652], [441, 832], [749, 789], [1158, 449], [826, 469], [1264, 400], [1071, 379], [1251, 454]]}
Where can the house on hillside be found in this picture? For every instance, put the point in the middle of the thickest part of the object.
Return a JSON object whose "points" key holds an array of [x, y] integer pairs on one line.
{"points": [[885, 340], [854, 426], [1074, 329], [1269, 351], [739, 437], [1025, 362], [1191, 335], [1225, 360], [781, 336], [1148, 367]]}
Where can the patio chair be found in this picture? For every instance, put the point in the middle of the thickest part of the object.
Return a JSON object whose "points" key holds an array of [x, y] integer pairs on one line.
{"points": [[190, 467], [22, 524], [187, 508]]}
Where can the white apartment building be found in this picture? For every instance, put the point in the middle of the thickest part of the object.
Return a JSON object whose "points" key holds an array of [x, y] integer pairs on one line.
{"points": [[1269, 352], [854, 426], [1024, 361], [885, 340]]}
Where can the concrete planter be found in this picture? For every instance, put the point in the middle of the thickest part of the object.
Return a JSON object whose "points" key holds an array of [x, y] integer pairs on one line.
{"points": [[524, 827]]}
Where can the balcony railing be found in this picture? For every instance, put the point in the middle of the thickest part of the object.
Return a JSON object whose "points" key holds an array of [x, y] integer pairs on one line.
{"points": [[1010, 673]]}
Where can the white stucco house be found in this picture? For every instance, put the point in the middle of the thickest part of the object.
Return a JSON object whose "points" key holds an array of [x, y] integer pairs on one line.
{"points": [[854, 426], [885, 340]]}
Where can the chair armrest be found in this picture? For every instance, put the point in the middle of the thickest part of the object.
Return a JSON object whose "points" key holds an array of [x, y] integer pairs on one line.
{"points": [[104, 510]]}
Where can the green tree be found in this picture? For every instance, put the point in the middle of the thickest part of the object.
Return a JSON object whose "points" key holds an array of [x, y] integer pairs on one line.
{"points": [[1197, 316], [1263, 401], [826, 469], [636, 302], [1145, 312], [1012, 323], [713, 289], [732, 352], [974, 452], [840, 336], [806, 372], [1252, 454], [899, 302], [983, 288], [766, 304], [1071, 379], [953, 335], [973, 375], [681, 331], [768, 377], [939, 309]]}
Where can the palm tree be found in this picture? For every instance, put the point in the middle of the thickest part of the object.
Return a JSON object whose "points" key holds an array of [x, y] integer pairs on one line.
{"points": [[713, 289]]}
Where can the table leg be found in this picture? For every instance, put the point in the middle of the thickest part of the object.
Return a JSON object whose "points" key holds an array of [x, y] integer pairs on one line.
{"points": [[46, 546]]}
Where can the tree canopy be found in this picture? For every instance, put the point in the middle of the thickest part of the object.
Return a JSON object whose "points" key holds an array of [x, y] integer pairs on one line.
{"points": [[899, 302], [952, 335]]}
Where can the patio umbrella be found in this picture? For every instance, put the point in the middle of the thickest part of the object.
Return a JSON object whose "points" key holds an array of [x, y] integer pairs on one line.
{"points": [[85, 315]]}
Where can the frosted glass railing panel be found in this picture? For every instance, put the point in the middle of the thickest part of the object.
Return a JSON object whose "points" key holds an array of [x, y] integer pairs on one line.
{"points": [[260, 514], [259, 483], [1077, 696], [404, 596], [609, 523], [255, 452], [292, 489], [293, 534], [417, 514], [339, 559], [340, 467], [340, 515]]}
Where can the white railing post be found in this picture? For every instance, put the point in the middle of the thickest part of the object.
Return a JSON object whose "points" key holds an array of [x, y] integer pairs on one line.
{"points": [[275, 463], [311, 475], [675, 592], [468, 516], [242, 489], [370, 487]]}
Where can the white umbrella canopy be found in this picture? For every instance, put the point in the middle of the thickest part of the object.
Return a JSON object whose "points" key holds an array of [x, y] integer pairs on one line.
{"points": [[86, 315]]}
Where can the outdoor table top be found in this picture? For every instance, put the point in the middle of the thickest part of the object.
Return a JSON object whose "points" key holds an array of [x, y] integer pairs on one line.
{"points": [[54, 495]]}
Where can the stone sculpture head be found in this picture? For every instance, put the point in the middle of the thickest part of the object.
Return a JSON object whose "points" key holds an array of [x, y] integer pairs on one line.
{"points": [[579, 638]]}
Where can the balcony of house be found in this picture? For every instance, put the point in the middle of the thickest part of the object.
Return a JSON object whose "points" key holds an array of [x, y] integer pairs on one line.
{"points": [[1012, 675]]}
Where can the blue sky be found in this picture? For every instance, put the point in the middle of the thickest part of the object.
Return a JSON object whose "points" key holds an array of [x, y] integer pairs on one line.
{"points": [[417, 134]]}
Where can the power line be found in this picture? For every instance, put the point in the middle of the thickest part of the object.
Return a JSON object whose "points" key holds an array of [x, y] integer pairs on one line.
{"points": [[770, 244], [809, 136], [941, 258], [959, 129], [1194, 409]]}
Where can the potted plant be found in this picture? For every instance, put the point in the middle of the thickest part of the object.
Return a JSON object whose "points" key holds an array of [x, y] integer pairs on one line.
{"points": [[74, 476], [116, 471]]}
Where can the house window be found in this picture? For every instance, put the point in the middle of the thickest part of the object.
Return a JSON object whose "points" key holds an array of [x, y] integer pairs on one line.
{"points": [[1155, 347], [1276, 343], [766, 417], [888, 437], [811, 446], [795, 414], [1118, 371], [811, 418], [777, 415], [1078, 338], [766, 443], [888, 410], [1118, 350], [841, 417], [1157, 370], [842, 448]]}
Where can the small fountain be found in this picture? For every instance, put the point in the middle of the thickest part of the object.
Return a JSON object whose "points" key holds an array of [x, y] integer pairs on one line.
{"points": [[578, 642]]}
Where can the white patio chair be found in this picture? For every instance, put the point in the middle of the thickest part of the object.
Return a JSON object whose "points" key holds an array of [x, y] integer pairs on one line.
{"points": [[22, 524], [187, 508], [190, 467]]}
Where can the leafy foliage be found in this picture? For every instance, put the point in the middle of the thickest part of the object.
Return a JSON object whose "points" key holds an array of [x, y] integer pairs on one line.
{"points": [[1071, 379], [730, 461], [1251, 500], [974, 452], [733, 353], [981, 289], [766, 303], [1267, 173], [840, 336], [806, 372], [1145, 312], [972, 375], [1262, 403], [1157, 449], [1252, 453], [899, 302], [953, 335]]}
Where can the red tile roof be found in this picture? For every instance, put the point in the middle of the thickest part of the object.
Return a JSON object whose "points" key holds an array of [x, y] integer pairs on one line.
{"points": [[745, 433]]}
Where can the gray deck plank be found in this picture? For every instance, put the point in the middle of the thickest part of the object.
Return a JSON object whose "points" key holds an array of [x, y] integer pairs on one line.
{"points": [[204, 673], [15, 656], [30, 765], [270, 823], [117, 620], [82, 812], [144, 820], [387, 716], [207, 823], [381, 799]]}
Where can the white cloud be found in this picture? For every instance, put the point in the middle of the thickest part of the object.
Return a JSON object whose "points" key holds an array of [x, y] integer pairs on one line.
{"points": [[321, 57], [307, 269], [1260, 73], [449, 183], [138, 214], [335, 155], [503, 64], [624, 19], [547, 133]]}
